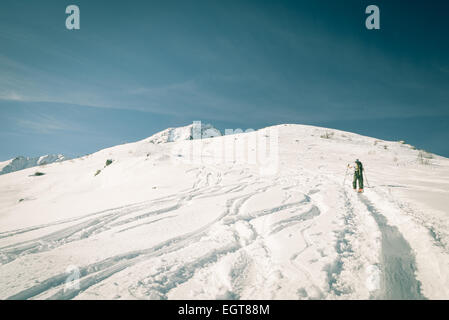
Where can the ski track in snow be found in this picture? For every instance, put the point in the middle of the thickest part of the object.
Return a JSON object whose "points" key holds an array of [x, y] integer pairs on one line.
{"points": [[102, 221], [398, 265], [398, 261], [242, 258], [116, 219]]}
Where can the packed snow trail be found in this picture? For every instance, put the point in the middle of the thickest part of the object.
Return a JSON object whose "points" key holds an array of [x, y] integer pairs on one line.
{"points": [[398, 261], [152, 225]]}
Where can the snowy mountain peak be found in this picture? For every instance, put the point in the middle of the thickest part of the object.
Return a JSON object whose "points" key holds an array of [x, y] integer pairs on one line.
{"points": [[184, 133], [21, 162]]}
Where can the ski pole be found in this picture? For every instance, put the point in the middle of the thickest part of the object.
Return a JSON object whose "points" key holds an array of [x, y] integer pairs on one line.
{"points": [[366, 178]]}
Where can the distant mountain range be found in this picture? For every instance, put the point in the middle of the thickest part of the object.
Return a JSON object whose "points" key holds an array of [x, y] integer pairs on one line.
{"points": [[21, 162], [165, 136]]}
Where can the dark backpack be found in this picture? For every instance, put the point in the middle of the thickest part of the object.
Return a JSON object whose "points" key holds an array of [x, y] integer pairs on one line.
{"points": [[359, 168]]}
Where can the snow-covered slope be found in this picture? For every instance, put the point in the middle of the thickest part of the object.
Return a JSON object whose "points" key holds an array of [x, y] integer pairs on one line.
{"points": [[21, 162], [160, 223]]}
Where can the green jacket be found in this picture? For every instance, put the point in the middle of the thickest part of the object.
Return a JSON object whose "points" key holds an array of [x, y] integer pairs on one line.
{"points": [[358, 168]]}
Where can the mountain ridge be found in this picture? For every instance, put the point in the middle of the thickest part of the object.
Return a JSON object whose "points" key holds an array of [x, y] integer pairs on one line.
{"points": [[21, 162]]}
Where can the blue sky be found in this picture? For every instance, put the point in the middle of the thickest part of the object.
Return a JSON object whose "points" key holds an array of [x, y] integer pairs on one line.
{"points": [[137, 67]]}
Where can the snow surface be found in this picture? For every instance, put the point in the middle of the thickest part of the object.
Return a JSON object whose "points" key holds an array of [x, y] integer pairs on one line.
{"points": [[156, 225], [21, 162]]}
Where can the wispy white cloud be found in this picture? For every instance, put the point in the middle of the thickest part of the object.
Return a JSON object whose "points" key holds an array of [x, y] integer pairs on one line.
{"points": [[189, 98], [11, 95], [45, 124]]}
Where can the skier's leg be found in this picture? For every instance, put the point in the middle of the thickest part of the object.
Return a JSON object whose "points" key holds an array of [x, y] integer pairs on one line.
{"points": [[361, 181], [354, 182]]}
